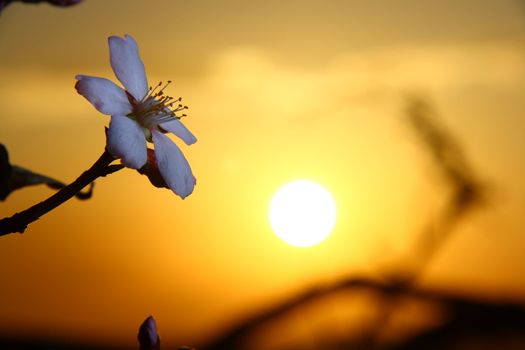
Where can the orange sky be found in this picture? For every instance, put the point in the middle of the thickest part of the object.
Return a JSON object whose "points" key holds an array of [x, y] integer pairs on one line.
{"points": [[277, 91]]}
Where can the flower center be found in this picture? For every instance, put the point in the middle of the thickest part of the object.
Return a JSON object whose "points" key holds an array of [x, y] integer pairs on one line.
{"points": [[156, 108]]}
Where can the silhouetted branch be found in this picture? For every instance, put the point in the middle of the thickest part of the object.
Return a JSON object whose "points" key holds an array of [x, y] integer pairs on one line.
{"points": [[19, 221], [13, 177]]}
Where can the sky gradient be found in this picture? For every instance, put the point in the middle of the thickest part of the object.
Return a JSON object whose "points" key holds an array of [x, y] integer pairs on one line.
{"points": [[278, 91]]}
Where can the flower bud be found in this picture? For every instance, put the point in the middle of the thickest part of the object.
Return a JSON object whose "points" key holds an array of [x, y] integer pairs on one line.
{"points": [[148, 337], [151, 170]]}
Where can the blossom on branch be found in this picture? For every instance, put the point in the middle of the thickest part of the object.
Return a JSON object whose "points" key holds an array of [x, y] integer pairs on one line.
{"points": [[140, 115]]}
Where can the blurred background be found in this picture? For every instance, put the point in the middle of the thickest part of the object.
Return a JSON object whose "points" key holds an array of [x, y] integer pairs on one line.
{"points": [[278, 91]]}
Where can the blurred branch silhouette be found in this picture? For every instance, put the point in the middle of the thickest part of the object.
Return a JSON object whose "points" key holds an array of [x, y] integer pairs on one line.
{"points": [[61, 3], [466, 190], [464, 316]]}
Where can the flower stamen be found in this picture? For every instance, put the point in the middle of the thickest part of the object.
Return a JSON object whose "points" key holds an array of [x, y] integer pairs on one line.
{"points": [[156, 107]]}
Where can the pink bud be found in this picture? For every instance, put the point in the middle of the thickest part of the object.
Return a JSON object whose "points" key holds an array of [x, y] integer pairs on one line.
{"points": [[151, 170]]}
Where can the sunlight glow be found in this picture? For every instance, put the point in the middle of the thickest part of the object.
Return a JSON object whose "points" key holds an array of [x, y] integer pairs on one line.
{"points": [[302, 213]]}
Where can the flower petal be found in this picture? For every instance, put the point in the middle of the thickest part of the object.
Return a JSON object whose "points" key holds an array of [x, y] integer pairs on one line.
{"points": [[126, 141], [175, 126], [173, 166], [103, 94], [127, 65]]}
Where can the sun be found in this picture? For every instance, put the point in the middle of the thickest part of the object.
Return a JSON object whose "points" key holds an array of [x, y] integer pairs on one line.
{"points": [[302, 213]]}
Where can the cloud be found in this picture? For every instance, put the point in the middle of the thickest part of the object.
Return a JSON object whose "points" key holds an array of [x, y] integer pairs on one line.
{"points": [[249, 80]]}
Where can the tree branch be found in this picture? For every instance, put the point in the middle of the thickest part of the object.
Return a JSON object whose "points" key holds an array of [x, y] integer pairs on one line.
{"points": [[19, 221]]}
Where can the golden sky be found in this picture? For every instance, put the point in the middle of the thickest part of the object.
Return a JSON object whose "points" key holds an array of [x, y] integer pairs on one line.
{"points": [[278, 90]]}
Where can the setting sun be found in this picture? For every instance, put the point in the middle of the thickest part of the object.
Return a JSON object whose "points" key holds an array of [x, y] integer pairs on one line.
{"points": [[302, 213]]}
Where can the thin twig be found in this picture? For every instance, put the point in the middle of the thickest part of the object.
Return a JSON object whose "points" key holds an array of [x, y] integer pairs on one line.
{"points": [[19, 221]]}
